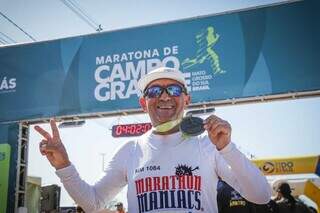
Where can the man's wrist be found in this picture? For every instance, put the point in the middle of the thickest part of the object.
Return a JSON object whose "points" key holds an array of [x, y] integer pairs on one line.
{"points": [[228, 148], [222, 146], [63, 165]]}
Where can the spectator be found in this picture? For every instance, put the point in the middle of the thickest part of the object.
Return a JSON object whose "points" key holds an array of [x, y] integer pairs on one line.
{"points": [[230, 201], [287, 203]]}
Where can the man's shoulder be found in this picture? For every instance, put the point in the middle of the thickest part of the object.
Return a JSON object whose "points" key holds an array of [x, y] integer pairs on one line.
{"points": [[127, 147]]}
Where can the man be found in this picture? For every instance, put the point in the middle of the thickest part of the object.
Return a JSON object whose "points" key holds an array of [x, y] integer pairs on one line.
{"points": [[164, 170]]}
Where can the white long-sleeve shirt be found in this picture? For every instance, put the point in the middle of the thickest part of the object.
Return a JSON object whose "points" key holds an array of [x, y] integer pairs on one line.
{"points": [[169, 174]]}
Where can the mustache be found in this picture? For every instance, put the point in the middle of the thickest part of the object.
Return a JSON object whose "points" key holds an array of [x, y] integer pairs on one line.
{"points": [[162, 102]]}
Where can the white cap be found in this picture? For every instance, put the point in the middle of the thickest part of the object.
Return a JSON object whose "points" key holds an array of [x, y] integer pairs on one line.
{"points": [[161, 72]]}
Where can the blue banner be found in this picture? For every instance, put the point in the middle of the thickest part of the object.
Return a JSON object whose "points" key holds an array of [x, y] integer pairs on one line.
{"points": [[266, 51]]}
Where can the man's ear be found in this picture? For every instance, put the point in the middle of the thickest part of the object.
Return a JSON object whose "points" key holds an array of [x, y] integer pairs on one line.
{"points": [[187, 100], [142, 102]]}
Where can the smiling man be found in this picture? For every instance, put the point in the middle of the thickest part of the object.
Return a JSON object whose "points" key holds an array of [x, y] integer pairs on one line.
{"points": [[165, 171]]}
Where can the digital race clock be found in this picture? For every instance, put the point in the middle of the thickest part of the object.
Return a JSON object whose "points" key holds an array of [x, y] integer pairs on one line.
{"points": [[130, 130]]}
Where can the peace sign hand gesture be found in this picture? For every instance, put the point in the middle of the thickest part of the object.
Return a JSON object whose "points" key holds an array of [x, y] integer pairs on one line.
{"points": [[52, 147]]}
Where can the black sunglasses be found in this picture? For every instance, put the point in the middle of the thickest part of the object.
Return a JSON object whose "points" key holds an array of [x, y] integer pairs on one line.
{"points": [[173, 90]]}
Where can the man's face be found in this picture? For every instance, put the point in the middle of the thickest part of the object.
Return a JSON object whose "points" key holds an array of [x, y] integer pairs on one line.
{"points": [[164, 108]]}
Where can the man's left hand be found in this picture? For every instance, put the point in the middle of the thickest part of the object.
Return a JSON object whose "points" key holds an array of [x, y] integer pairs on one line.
{"points": [[219, 131]]}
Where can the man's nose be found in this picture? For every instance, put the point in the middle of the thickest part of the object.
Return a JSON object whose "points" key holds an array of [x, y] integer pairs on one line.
{"points": [[164, 96]]}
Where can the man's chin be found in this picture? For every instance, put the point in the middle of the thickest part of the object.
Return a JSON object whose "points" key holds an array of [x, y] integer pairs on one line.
{"points": [[166, 116], [165, 119]]}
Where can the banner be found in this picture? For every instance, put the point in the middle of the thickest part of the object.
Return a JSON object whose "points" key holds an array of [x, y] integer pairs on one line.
{"points": [[285, 166], [4, 177], [265, 51]]}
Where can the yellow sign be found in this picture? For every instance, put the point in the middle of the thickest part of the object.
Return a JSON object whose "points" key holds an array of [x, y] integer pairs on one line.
{"points": [[313, 192], [281, 166]]}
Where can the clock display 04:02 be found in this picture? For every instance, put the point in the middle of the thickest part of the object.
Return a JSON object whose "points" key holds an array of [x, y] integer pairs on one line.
{"points": [[130, 130]]}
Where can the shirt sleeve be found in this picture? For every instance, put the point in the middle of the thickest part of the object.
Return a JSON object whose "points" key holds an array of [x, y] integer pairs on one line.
{"points": [[94, 197], [240, 173]]}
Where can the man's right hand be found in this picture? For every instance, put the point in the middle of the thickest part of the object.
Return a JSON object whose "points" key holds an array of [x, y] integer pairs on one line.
{"points": [[52, 147]]}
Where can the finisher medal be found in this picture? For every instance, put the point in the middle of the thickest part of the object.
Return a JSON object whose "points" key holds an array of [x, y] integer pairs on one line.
{"points": [[192, 126]]}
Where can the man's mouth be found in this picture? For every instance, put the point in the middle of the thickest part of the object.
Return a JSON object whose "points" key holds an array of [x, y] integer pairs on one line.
{"points": [[165, 107], [165, 112]]}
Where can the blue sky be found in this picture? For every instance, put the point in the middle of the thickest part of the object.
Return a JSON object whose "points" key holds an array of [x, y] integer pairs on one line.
{"points": [[275, 129]]}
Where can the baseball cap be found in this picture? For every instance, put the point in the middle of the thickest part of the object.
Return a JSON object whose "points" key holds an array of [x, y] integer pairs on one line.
{"points": [[161, 72]]}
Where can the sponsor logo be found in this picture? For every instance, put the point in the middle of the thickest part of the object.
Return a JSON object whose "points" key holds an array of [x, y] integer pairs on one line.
{"points": [[277, 167], [268, 167]]}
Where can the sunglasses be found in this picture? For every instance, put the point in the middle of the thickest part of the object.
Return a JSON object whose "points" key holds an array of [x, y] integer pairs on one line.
{"points": [[173, 90]]}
